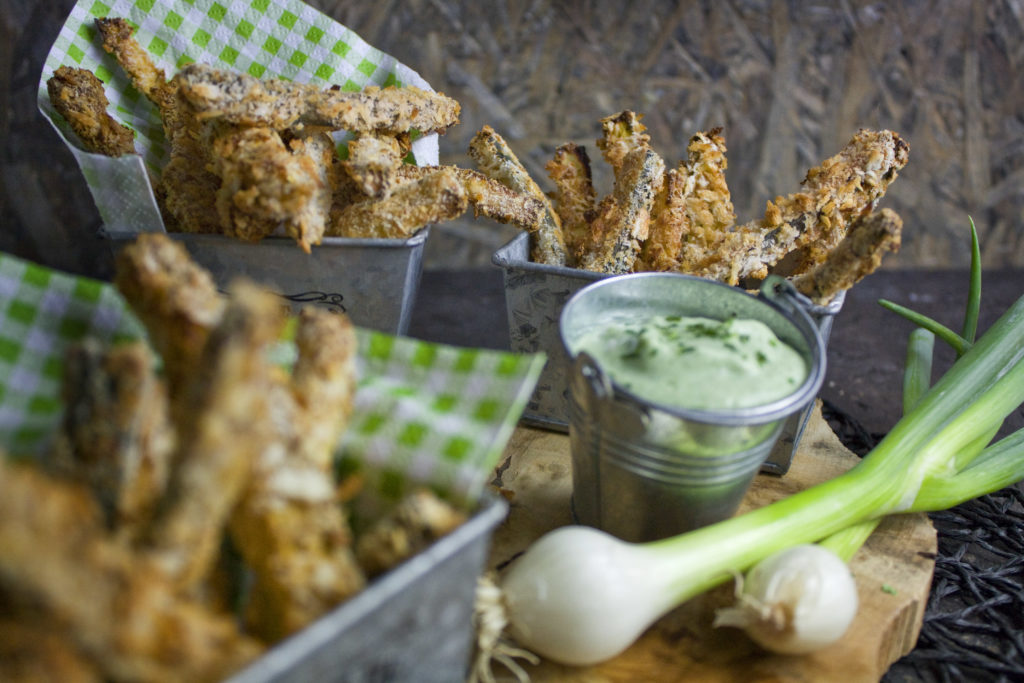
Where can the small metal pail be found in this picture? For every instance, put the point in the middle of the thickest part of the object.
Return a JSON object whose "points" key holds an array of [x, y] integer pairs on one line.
{"points": [[644, 471]]}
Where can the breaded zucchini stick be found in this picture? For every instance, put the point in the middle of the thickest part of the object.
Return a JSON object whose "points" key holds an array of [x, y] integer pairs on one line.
{"points": [[176, 300], [487, 197], [660, 250], [78, 96], [859, 254], [124, 614], [575, 197], [186, 189], [495, 159], [708, 201], [265, 183], [419, 519], [116, 435], [289, 526], [223, 427], [434, 198], [841, 188], [244, 100], [623, 222], [621, 134], [118, 40], [373, 162]]}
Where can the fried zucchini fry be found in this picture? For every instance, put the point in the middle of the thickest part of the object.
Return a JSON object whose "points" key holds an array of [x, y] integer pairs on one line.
{"points": [[323, 382], [621, 134], [124, 615], [186, 188], [289, 526], [116, 436], [435, 198], [859, 254], [78, 96], [575, 197], [487, 197], [222, 429], [119, 40], [495, 159], [660, 251], [419, 520], [841, 188], [622, 224], [265, 183], [176, 300], [244, 100], [373, 162]]}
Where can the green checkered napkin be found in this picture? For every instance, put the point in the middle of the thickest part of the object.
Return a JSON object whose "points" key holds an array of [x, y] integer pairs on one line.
{"points": [[424, 413], [280, 39]]}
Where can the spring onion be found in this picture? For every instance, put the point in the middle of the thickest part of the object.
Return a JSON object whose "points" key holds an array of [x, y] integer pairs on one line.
{"points": [[804, 598], [580, 596]]}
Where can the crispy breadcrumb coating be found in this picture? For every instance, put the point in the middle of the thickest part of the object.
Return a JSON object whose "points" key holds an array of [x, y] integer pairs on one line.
{"points": [[78, 96], [834, 193], [244, 100], [123, 613], [434, 198], [175, 299], [622, 225], [116, 435], [487, 197], [418, 520], [495, 159], [575, 197], [859, 254]]}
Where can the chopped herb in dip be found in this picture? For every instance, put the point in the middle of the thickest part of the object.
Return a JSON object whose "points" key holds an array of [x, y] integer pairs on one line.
{"points": [[697, 363]]}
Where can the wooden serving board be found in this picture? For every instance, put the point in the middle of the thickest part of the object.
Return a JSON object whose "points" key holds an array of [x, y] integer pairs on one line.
{"points": [[893, 572]]}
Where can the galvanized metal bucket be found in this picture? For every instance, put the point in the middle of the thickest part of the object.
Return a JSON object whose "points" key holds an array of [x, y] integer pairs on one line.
{"points": [[644, 471], [534, 296], [374, 281]]}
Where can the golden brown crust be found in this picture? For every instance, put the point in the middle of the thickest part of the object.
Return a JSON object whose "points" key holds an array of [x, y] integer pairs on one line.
{"points": [[244, 100], [620, 229], [859, 254], [621, 134], [123, 614], [834, 193], [435, 198], [115, 436], [418, 520], [488, 197], [223, 426], [495, 159], [575, 197], [187, 188], [78, 96], [266, 183], [174, 298], [373, 162]]}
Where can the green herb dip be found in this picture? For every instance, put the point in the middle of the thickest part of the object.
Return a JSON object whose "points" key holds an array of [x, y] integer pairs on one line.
{"points": [[697, 363]]}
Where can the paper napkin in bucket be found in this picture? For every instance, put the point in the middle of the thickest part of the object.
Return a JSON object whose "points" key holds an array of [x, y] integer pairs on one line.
{"points": [[280, 39], [424, 413]]}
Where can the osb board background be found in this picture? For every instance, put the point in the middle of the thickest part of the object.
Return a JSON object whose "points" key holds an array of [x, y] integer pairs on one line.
{"points": [[788, 81]]}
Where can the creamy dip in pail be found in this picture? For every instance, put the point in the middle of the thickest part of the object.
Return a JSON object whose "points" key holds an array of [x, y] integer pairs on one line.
{"points": [[694, 362]]}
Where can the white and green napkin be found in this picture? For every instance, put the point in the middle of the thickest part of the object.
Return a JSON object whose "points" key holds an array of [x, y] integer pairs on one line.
{"points": [[265, 38], [424, 414]]}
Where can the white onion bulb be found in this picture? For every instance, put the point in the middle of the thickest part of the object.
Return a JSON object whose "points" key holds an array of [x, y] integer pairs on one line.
{"points": [[795, 601]]}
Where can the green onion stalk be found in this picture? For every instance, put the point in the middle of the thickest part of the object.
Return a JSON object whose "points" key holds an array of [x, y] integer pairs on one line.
{"points": [[580, 596]]}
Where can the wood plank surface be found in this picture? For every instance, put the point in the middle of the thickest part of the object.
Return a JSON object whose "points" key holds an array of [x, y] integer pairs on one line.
{"points": [[893, 572]]}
